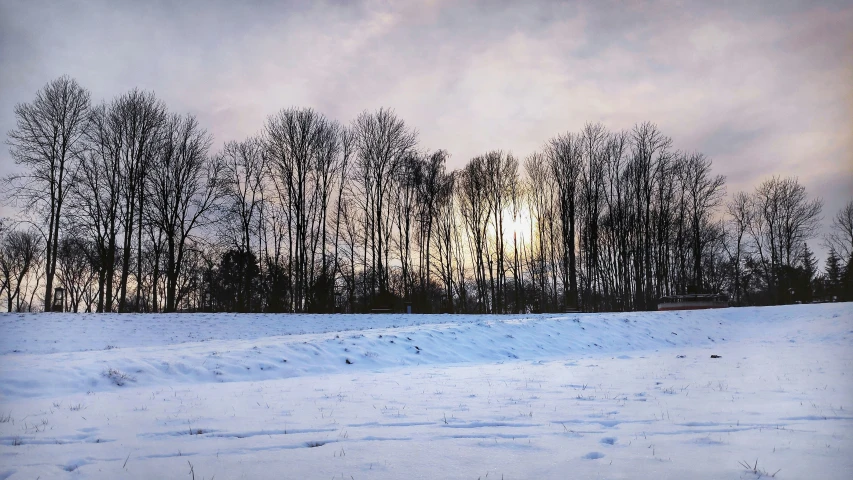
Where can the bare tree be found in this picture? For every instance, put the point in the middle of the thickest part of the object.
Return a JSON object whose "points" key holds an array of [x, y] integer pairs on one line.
{"points": [[382, 141], [347, 149], [4, 276], [648, 147], [475, 209], [740, 216], [47, 142], [782, 221], [594, 150], [615, 231], [501, 172], [433, 177], [517, 197], [77, 270], [182, 189], [97, 194], [446, 232], [303, 148], [541, 191], [139, 117], [566, 159], [407, 182], [20, 252], [243, 176], [329, 174], [705, 192], [840, 237], [667, 200]]}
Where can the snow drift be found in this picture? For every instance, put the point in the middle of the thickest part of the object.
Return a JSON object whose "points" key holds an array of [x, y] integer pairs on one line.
{"points": [[46, 355]]}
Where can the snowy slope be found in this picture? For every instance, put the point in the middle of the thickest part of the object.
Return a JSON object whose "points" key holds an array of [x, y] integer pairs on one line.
{"points": [[393, 396], [154, 349]]}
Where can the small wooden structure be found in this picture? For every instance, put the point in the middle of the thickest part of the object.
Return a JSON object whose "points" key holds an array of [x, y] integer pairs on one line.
{"points": [[694, 301], [58, 300]]}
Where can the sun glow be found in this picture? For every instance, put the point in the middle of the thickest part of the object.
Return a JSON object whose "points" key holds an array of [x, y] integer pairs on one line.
{"points": [[517, 226]]}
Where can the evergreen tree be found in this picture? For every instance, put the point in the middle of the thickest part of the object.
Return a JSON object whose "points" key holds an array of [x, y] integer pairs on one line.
{"points": [[846, 287], [809, 262], [276, 288], [809, 271], [833, 272], [237, 282]]}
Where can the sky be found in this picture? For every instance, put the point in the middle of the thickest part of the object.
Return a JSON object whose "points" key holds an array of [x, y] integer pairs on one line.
{"points": [[762, 88]]}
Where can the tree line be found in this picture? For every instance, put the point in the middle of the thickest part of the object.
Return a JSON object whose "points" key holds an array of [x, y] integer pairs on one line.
{"points": [[129, 208]]}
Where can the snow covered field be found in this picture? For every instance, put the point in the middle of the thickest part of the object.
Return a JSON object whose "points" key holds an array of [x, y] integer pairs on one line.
{"points": [[632, 395]]}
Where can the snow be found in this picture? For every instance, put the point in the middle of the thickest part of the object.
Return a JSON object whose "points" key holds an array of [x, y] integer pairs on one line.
{"points": [[623, 395]]}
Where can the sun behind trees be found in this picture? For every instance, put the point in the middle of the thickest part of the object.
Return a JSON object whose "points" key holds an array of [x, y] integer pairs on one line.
{"points": [[125, 205]]}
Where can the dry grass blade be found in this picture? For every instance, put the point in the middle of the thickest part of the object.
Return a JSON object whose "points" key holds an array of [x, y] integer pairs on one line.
{"points": [[754, 469]]}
